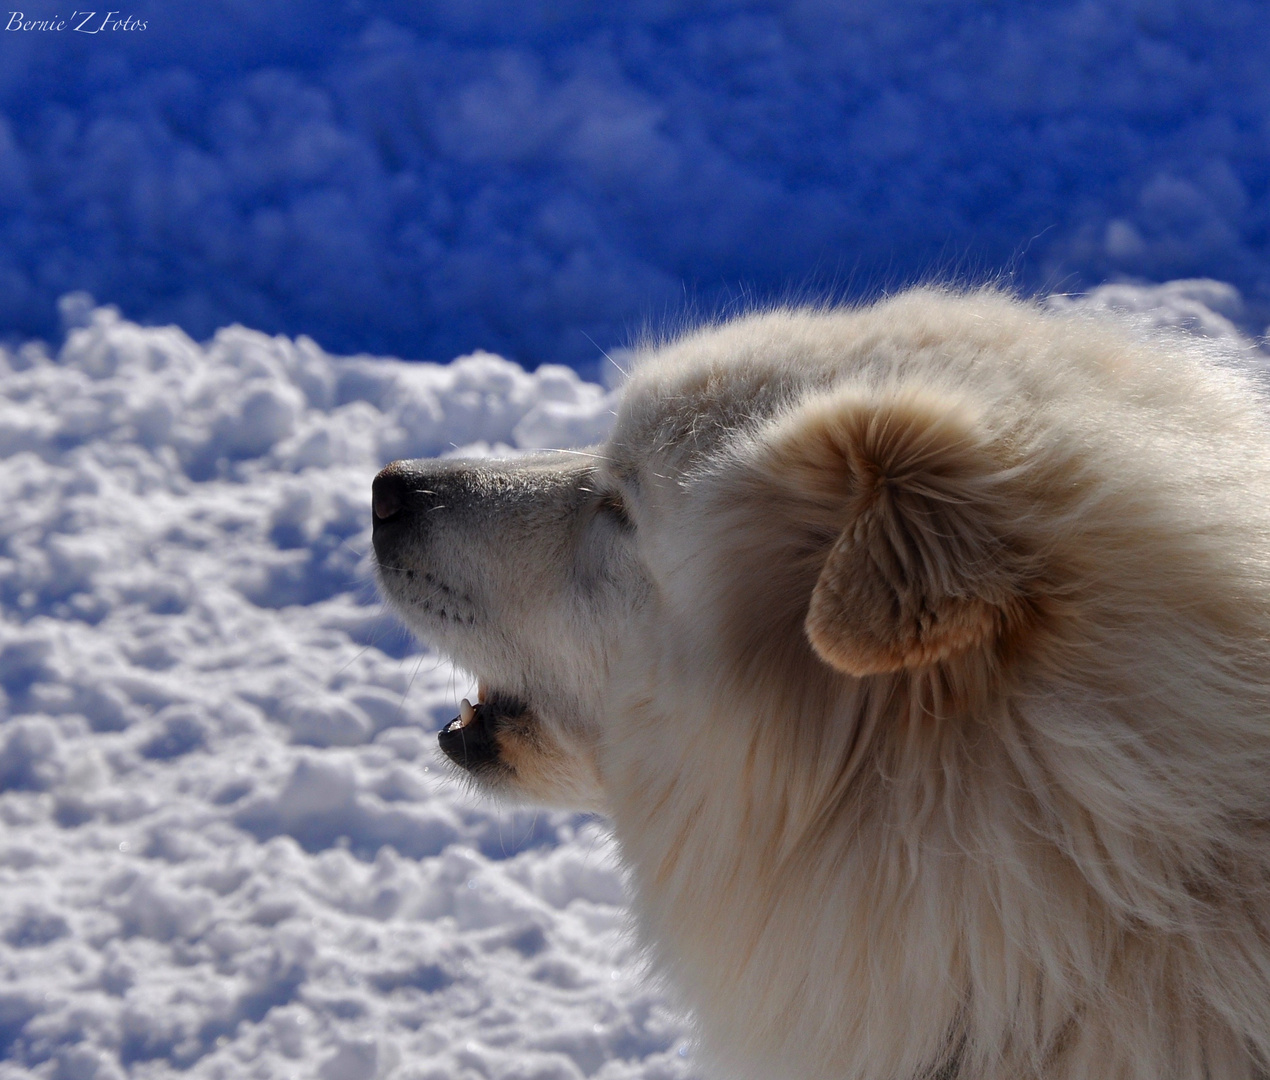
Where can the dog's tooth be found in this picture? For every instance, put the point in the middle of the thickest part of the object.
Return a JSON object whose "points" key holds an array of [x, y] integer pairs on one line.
{"points": [[466, 712]]}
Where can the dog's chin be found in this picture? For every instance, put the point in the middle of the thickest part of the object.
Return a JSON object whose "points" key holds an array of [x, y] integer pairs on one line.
{"points": [[503, 746], [471, 739]]}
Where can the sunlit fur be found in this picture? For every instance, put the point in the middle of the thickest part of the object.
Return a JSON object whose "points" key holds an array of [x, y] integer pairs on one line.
{"points": [[930, 692]]}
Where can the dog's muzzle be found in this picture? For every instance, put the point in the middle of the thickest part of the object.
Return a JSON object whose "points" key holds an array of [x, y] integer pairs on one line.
{"points": [[404, 499]]}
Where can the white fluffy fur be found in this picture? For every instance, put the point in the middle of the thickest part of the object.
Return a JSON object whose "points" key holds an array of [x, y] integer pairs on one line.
{"points": [[921, 657]]}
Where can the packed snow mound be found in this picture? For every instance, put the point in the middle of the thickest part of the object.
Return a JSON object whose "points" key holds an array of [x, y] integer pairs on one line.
{"points": [[229, 848], [542, 178]]}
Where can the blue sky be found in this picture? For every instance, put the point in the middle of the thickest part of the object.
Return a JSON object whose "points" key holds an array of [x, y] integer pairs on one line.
{"points": [[546, 180]]}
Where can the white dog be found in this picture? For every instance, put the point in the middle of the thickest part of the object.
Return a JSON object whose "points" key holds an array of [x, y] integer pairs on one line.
{"points": [[920, 655]]}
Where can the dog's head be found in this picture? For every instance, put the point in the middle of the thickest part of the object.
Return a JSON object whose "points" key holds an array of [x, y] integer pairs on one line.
{"points": [[779, 510], [522, 571]]}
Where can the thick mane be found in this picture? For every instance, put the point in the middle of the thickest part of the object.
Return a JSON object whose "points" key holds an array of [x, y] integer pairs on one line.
{"points": [[1035, 844]]}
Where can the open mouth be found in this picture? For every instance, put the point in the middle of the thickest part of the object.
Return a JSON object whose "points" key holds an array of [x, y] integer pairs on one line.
{"points": [[469, 740]]}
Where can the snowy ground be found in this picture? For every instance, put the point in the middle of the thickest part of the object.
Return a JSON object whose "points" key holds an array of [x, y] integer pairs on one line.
{"points": [[228, 847], [544, 177]]}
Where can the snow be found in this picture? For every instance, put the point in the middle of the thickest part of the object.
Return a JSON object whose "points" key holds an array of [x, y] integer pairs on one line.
{"points": [[542, 178], [229, 847]]}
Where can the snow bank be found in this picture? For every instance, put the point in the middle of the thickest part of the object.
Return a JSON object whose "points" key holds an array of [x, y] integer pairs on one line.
{"points": [[228, 848], [540, 178]]}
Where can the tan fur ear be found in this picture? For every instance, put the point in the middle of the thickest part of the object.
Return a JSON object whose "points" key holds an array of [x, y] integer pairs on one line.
{"points": [[922, 571]]}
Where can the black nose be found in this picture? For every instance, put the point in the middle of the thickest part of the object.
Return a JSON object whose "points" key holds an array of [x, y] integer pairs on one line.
{"points": [[388, 494]]}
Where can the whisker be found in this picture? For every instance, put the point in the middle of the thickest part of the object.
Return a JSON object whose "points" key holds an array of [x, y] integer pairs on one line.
{"points": [[356, 656], [414, 675], [349, 544], [583, 453], [605, 354]]}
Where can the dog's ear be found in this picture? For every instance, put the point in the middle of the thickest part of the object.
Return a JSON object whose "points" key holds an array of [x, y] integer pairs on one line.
{"points": [[923, 570]]}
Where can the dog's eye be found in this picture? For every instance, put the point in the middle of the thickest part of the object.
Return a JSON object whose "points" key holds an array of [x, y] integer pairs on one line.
{"points": [[612, 506]]}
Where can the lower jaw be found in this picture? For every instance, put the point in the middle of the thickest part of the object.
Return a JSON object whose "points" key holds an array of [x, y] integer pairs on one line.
{"points": [[470, 741]]}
